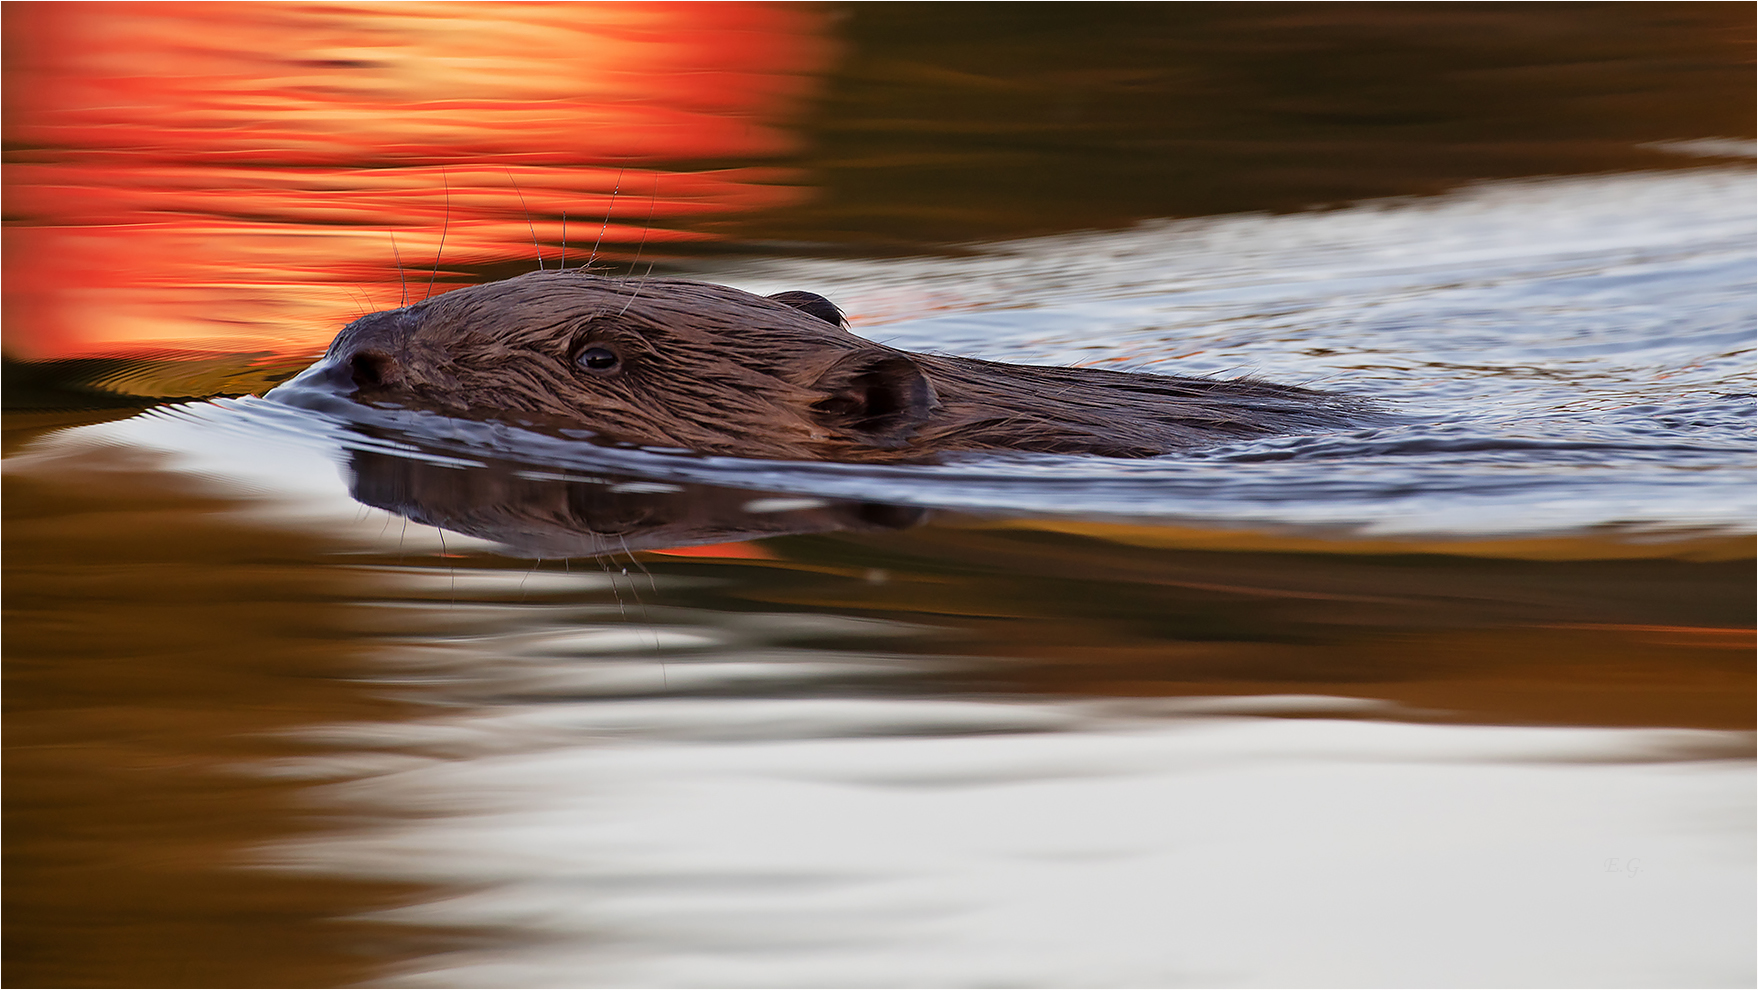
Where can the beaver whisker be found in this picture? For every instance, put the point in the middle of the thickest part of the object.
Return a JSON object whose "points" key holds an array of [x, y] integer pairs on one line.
{"points": [[535, 246], [646, 618], [606, 225], [360, 300], [652, 201], [651, 584], [638, 287], [445, 225], [402, 282], [527, 577]]}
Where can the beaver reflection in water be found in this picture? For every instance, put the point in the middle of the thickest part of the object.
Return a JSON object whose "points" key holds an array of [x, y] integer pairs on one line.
{"points": [[674, 363]]}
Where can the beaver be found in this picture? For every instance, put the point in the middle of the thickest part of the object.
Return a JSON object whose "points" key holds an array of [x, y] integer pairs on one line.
{"points": [[682, 364]]}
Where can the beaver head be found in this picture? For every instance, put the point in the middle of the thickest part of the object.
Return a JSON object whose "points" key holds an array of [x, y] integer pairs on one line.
{"points": [[673, 363], [661, 362]]}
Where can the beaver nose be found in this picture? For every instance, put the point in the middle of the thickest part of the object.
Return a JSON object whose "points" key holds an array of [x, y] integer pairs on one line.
{"points": [[368, 352], [372, 369]]}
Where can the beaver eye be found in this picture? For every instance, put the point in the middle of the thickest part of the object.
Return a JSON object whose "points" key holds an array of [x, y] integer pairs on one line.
{"points": [[598, 359]]}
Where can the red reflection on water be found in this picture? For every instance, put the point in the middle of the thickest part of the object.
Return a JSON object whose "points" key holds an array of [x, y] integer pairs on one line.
{"points": [[231, 176], [729, 551]]}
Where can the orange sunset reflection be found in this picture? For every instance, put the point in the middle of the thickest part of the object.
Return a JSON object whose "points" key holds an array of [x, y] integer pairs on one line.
{"points": [[234, 177]]}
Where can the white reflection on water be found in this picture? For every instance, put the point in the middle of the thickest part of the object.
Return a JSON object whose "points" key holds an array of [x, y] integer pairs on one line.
{"points": [[813, 842]]}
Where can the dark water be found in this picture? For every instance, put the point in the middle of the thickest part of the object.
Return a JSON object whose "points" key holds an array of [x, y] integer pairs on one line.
{"points": [[316, 696]]}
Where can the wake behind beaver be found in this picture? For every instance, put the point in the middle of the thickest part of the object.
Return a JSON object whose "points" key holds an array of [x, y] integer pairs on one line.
{"points": [[676, 363]]}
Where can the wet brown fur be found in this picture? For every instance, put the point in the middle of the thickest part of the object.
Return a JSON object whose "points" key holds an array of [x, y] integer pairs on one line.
{"points": [[719, 370]]}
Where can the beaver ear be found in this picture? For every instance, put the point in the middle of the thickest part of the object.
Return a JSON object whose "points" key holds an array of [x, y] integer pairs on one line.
{"points": [[879, 396], [813, 304]]}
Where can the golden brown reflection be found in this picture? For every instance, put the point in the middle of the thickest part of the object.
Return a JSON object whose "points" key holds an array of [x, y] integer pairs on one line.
{"points": [[154, 654], [233, 176], [1597, 640]]}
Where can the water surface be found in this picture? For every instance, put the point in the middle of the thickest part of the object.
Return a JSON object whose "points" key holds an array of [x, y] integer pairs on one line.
{"points": [[1462, 698], [328, 696]]}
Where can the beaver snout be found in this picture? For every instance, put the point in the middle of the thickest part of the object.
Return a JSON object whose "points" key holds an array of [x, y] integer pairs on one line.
{"points": [[373, 369], [372, 352]]}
